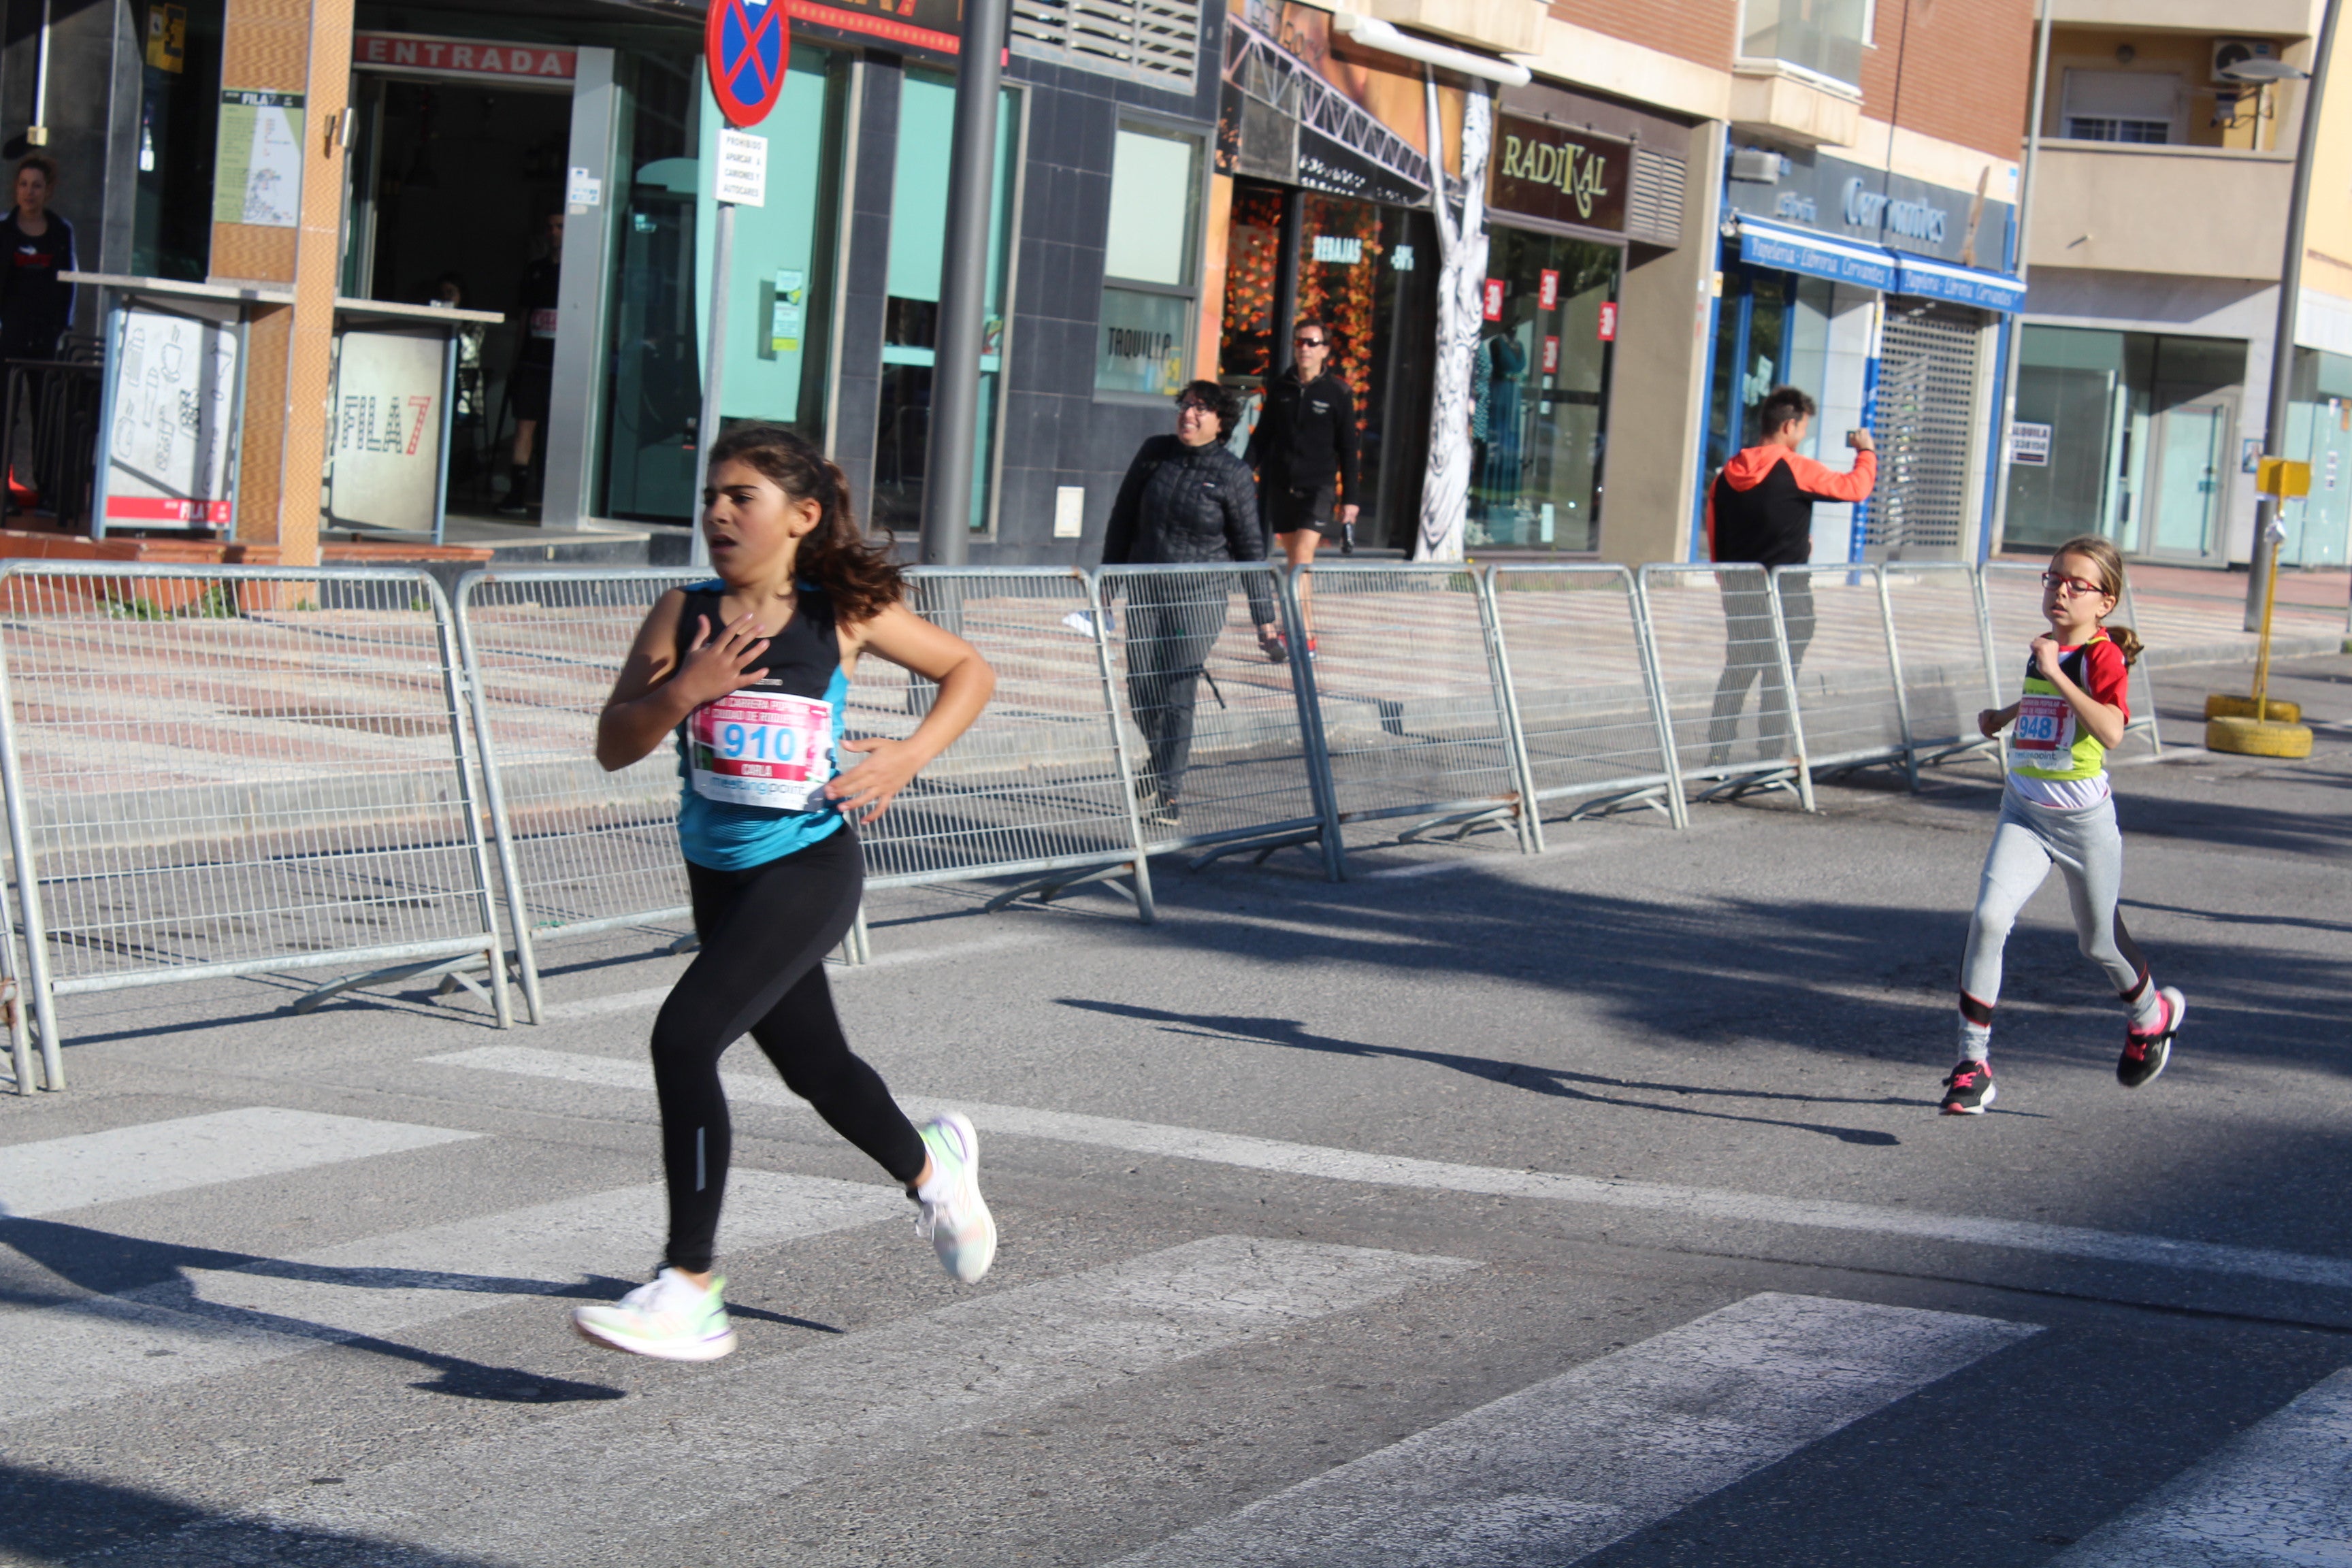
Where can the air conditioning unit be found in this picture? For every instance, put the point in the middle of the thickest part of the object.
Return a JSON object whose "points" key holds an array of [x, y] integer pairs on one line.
{"points": [[1757, 164], [2227, 52]]}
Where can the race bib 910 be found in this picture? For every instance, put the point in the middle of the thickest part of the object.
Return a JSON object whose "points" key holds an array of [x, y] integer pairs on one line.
{"points": [[754, 749], [2043, 724]]}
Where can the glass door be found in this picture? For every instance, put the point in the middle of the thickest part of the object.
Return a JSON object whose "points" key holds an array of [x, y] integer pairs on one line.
{"points": [[2188, 478]]}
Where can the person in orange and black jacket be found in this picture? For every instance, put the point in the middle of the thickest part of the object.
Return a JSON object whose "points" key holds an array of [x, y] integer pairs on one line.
{"points": [[1760, 511]]}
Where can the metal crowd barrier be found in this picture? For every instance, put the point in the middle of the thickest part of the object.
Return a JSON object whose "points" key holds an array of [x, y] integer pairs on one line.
{"points": [[580, 850], [1714, 633], [1226, 743], [216, 770], [1575, 661], [1837, 633], [1945, 661], [1042, 786], [1409, 683]]}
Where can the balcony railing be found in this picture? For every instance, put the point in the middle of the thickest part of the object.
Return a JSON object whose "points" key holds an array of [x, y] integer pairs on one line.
{"points": [[1823, 36]]}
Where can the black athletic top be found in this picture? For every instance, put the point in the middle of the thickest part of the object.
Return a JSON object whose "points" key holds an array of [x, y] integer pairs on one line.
{"points": [[35, 303], [1305, 434], [758, 745], [535, 302]]}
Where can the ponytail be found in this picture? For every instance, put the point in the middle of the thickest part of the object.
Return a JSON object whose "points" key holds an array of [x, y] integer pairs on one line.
{"points": [[858, 574], [2126, 643]]}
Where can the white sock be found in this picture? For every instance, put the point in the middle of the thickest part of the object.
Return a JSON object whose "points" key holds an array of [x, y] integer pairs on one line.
{"points": [[2148, 1011], [1975, 1041]]}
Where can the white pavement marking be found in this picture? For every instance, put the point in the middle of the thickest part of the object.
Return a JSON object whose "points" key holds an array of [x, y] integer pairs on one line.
{"points": [[651, 998], [155, 1157], [2278, 1493], [211, 1322], [1557, 1471], [574, 1488], [1400, 1171]]}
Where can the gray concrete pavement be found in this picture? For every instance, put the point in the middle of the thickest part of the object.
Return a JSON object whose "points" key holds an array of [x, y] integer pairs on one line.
{"points": [[1589, 1207]]}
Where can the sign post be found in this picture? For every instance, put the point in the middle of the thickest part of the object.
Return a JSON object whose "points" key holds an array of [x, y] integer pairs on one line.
{"points": [[746, 44]]}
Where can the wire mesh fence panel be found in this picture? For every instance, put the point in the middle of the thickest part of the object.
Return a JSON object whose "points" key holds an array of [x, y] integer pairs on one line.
{"points": [[582, 851], [2013, 618], [222, 771], [1939, 648], [1716, 659], [1220, 734], [1413, 715], [1037, 784], [1836, 634], [1589, 721]]}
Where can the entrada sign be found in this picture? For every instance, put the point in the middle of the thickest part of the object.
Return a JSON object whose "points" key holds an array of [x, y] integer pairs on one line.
{"points": [[1548, 171]]}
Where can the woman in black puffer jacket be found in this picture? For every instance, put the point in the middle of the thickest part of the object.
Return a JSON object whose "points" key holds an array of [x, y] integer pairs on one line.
{"points": [[1186, 500]]}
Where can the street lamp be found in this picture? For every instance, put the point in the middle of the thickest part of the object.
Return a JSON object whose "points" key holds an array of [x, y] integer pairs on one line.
{"points": [[2260, 72]]}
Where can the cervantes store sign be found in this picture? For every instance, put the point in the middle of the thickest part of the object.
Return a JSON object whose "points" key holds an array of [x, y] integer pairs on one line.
{"points": [[1546, 171]]}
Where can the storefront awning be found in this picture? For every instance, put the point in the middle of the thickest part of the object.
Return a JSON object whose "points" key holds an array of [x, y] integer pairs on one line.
{"points": [[1817, 254], [1960, 285], [1871, 265]]}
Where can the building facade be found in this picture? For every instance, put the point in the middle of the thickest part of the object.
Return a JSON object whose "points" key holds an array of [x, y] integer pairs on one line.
{"points": [[1676, 204], [2159, 222]]}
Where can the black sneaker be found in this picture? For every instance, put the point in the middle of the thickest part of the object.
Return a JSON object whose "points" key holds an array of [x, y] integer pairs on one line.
{"points": [[1968, 1089], [2145, 1056]]}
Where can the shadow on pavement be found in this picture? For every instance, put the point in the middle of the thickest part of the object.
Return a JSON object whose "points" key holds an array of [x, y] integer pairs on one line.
{"points": [[1289, 1032]]}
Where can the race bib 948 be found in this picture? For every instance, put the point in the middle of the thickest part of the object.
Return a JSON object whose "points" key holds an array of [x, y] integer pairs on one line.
{"points": [[753, 748], [2043, 724]]}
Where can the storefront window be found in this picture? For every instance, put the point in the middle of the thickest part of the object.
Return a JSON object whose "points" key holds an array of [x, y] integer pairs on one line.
{"points": [[919, 215], [1143, 346], [1824, 36], [2319, 432], [179, 109], [1253, 272], [1539, 390], [655, 405], [2134, 434]]}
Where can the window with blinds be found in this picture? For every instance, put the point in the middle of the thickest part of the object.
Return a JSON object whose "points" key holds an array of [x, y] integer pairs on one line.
{"points": [[1654, 206], [1157, 42]]}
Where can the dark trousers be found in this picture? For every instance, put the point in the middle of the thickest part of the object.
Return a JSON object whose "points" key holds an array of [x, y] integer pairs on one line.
{"points": [[1747, 652], [1172, 624], [765, 933]]}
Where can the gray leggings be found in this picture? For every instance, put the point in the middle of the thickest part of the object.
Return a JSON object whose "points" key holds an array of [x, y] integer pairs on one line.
{"points": [[2088, 848]]}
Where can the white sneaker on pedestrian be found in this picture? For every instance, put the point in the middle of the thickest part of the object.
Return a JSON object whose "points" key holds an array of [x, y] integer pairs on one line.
{"points": [[672, 1319], [955, 1217]]}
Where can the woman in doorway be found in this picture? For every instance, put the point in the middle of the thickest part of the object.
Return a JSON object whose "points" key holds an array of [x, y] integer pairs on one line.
{"points": [[36, 301], [750, 672], [1306, 437]]}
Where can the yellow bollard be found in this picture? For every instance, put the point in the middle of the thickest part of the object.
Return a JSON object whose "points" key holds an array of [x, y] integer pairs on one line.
{"points": [[2259, 734]]}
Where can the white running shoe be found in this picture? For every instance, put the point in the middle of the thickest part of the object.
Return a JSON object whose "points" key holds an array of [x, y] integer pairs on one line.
{"points": [[671, 1319], [955, 1217]]}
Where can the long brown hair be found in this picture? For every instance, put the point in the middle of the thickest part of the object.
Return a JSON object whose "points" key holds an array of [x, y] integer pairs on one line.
{"points": [[2103, 553], [857, 573]]}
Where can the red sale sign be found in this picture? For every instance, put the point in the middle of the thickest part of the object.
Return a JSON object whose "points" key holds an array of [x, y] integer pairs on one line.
{"points": [[1494, 299], [1548, 295], [1551, 356], [1609, 321]]}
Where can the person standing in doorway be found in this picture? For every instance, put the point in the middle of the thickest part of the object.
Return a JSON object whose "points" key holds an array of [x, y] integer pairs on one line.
{"points": [[1760, 511], [1305, 439], [531, 387], [36, 301]]}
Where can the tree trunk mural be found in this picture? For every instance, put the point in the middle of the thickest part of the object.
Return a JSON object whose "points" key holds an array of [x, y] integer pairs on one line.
{"points": [[1461, 311]]}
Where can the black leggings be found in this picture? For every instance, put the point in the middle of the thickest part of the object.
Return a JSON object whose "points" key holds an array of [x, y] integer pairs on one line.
{"points": [[765, 933]]}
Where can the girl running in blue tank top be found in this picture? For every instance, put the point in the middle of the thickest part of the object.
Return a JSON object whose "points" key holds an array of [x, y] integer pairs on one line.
{"points": [[750, 672]]}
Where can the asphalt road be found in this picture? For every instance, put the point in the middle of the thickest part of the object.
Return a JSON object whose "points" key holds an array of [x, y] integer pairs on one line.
{"points": [[1484, 1209]]}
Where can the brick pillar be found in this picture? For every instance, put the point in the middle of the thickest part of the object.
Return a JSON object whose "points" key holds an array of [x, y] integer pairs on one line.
{"points": [[289, 45]]}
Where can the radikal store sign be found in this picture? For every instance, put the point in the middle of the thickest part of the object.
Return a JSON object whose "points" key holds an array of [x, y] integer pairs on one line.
{"points": [[1546, 171]]}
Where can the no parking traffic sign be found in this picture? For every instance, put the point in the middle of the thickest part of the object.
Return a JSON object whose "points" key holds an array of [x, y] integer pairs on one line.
{"points": [[747, 44]]}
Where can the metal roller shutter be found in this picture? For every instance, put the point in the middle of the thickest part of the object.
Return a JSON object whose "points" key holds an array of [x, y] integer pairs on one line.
{"points": [[1927, 391]]}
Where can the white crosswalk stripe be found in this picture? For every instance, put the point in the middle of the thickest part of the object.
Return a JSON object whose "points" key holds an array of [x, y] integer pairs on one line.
{"points": [[2280, 1493], [576, 1488], [1396, 1170], [60, 1174], [213, 1321], [1560, 1470]]}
